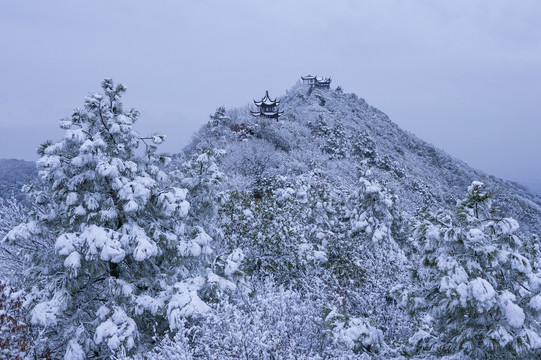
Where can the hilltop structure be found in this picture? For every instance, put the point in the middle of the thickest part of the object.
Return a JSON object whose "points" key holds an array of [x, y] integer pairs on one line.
{"points": [[267, 108], [318, 82]]}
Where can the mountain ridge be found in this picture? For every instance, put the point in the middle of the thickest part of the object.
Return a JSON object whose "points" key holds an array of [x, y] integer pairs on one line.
{"points": [[418, 186], [346, 130]]}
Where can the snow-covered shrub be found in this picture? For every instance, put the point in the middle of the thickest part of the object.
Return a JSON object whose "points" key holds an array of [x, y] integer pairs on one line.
{"points": [[113, 260], [274, 323], [201, 176], [335, 141], [267, 231], [336, 242], [364, 260], [11, 213], [218, 118], [476, 282], [354, 333]]}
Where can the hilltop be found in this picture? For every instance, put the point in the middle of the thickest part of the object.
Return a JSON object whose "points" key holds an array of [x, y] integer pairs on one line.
{"points": [[333, 133]]}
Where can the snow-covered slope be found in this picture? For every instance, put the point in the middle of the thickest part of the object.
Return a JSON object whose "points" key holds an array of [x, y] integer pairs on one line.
{"points": [[332, 133], [305, 237], [533, 185]]}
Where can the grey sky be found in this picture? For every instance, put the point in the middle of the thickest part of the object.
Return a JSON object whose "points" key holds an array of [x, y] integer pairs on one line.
{"points": [[463, 75]]}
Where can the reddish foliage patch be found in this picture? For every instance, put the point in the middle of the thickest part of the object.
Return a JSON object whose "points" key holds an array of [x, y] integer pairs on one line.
{"points": [[14, 328]]}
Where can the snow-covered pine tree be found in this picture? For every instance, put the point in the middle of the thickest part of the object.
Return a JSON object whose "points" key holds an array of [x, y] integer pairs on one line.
{"points": [[200, 176], [476, 283], [112, 261], [11, 213]]}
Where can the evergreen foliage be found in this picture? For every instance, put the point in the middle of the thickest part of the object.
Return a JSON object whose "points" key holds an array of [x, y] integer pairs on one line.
{"points": [[112, 262], [476, 282], [268, 239]]}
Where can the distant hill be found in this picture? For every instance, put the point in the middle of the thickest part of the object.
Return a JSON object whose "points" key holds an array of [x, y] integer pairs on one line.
{"points": [[13, 175]]}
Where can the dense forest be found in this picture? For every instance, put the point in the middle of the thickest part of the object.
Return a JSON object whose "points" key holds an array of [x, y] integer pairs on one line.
{"points": [[326, 233]]}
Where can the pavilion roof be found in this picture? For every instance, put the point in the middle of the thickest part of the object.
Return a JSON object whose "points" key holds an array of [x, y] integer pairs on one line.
{"points": [[266, 100]]}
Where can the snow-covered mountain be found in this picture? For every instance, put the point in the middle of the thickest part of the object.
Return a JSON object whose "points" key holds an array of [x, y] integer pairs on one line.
{"points": [[329, 233], [333, 132], [349, 131], [335, 199]]}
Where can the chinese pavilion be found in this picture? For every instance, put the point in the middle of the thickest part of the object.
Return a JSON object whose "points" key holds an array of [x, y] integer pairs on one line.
{"points": [[267, 108], [318, 82]]}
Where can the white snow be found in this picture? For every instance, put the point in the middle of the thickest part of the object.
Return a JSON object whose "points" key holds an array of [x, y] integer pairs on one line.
{"points": [[483, 292], [533, 338], [22, 232], [112, 251], [514, 314], [44, 314], [535, 302], [476, 236], [183, 305], [148, 303], [131, 206], [520, 263], [320, 256], [73, 260], [508, 226], [222, 283], [502, 336], [91, 202], [103, 312], [107, 170], [71, 198], [74, 351], [380, 233], [231, 267], [118, 330], [104, 242], [355, 331], [80, 210], [64, 244], [145, 249]]}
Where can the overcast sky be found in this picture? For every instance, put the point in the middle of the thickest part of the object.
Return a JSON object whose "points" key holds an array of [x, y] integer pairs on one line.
{"points": [[462, 75]]}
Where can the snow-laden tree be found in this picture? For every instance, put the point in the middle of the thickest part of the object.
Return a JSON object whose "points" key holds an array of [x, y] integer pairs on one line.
{"points": [[364, 260], [476, 283], [200, 176], [271, 233], [334, 243], [11, 213], [274, 323], [112, 260]]}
